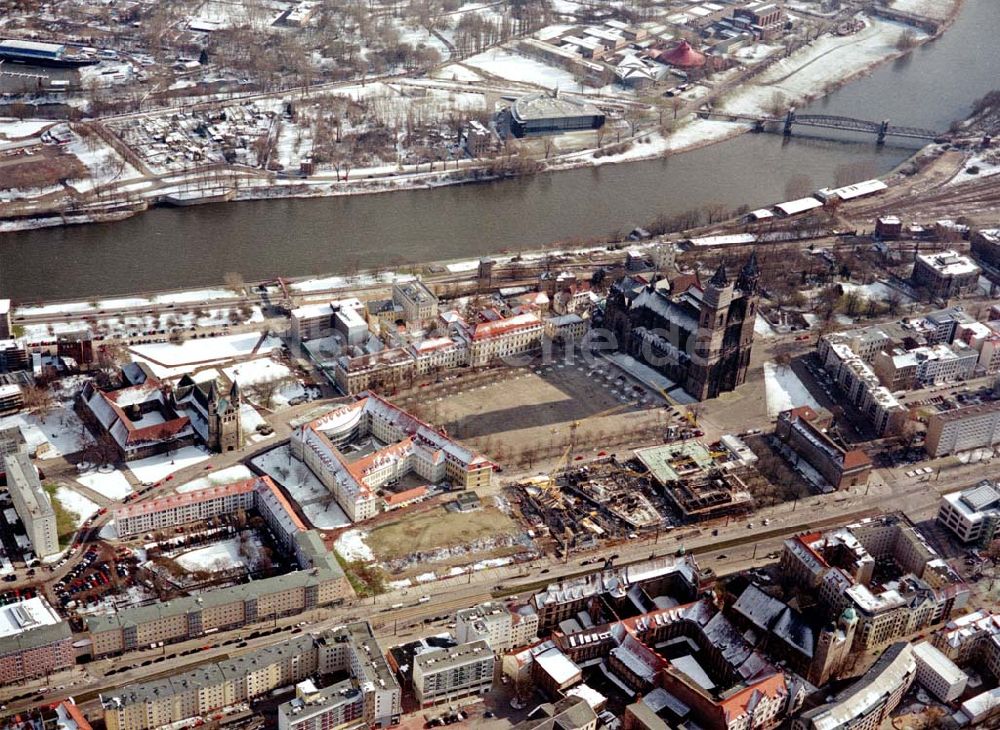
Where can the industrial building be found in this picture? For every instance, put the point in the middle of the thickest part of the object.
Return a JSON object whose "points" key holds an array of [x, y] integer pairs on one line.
{"points": [[32, 504], [544, 114], [37, 53]]}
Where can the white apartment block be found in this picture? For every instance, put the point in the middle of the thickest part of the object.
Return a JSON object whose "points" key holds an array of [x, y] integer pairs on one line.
{"points": [[439, 353], [32, 504], [447, 674], [973, 514], [938, 674], [313, 321], [177, 509], [862, 385], [961, 429]]}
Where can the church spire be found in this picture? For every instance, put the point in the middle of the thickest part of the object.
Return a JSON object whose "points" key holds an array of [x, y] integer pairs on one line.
{"points": [[719, 278], [749, 274]]}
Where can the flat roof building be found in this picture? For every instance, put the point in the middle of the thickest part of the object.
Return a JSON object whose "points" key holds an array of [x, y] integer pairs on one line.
{"points": [[973, 514], [32, 504], [938, 674], [448, 674], [544, 114], [962, 429], [34, 641]]}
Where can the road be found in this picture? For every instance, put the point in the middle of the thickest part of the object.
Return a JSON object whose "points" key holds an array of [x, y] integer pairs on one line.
{"points": [[736, 547]]}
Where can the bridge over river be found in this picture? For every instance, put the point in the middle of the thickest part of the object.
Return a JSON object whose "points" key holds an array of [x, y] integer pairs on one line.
{"points": [[881, 130]]}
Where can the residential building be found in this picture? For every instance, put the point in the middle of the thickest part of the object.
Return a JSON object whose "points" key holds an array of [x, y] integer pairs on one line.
{"points": [[896, 370], [13, 355], [480, 140], [983, 710], [447, 674], [945, 274], [800, 429], [439, 353], [961, 429], [569, 713], [986, 246], [418, 302], [11, 442], [868, 701], [972, 640], [11, 398], [839, 567], [341, 705], [699, 337], [938, 674], [569, 328], [844, 358], [34, 641], [319, 582], [199, 692], [411, 446], [5, 325], [386, 370], [973, 514], [32, 504], [503, 627], [888, 227]]}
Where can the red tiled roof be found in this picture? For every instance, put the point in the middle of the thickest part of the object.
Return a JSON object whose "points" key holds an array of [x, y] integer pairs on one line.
{"points": [[405, 496], [156, 432], [489, 330]]}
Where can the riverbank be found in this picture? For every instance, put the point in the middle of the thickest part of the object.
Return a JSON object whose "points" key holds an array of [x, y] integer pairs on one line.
{"points": [[795, 78]]}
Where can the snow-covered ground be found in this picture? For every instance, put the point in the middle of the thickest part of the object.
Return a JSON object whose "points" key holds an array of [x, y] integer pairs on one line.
{"points": [[222, 555], [60, 434], [154, 468], [266, 370], [762, 328], [250, 419], [103, 163], [313, 497], [515, 67], [167, 359], [351, 546], [808, 71], [456, 72], [988, 165], [877, 290], [783, 390], [113, 485], [934, 9], [229, 475], [75, 503], [18, 128]]}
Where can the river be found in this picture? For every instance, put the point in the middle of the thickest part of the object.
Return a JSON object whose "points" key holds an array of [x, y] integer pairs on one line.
{"points": [[174, 248]]}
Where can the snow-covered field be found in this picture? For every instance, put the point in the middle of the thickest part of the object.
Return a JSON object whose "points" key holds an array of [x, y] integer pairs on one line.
{"points": [[222, 555], [351, 546], [167, 359], [229, 475], [456, 72], [762, 328], [934, 9], [102, 161], [313, 497], [877, 290], [154, 468], [515, 67], [112, 485], [60, 434], [784, 390], [75, 503]]}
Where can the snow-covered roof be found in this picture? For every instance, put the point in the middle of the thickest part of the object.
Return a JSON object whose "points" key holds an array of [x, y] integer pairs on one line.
{"points": [[557, 665]]}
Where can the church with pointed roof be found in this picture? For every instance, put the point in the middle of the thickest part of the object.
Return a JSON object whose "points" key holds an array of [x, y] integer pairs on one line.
{"points": [[214, 409], [698, 336]]}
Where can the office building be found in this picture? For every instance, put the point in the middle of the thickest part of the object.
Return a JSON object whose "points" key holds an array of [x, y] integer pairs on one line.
{"points": [[986, 246], [418, 302], [802, 429], [945, 274], [938, 674], [313, 321], [962, 429], [502, 626], [32, 504], [11, 442], [444, 675], [973, 514], [404, 444], [34, 641]]}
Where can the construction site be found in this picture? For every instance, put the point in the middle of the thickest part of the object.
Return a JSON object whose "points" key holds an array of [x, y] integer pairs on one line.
{"points": [[658, 488]]}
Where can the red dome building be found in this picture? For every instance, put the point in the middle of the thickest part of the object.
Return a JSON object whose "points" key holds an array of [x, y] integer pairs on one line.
{"points": [[684, 56]]}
